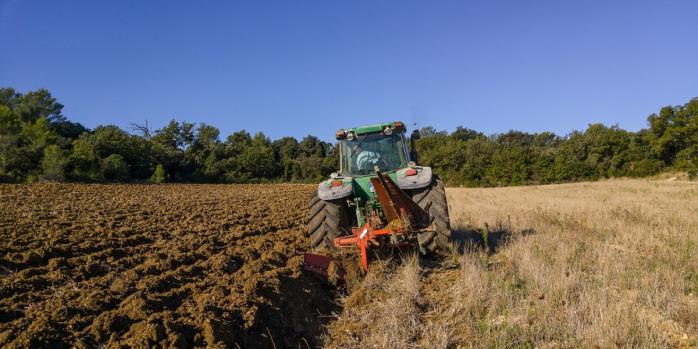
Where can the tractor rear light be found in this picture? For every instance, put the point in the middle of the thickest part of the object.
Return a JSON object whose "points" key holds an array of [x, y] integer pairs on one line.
{"points": [[336, 183], [341, 134], [410, 172]]}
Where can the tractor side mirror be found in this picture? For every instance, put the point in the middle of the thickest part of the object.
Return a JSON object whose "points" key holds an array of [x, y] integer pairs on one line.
{"points": [[413, 145]]}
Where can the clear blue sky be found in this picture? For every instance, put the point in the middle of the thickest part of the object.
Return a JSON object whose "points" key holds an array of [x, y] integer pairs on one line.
{"points": [[300, 67]]}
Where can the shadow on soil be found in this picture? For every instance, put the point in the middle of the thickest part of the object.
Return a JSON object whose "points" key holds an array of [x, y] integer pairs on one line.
{"points": [[296, 315], [488, 238]]}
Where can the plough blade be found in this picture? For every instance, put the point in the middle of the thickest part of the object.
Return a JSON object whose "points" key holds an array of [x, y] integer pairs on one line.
{"points": [[323, 266]]}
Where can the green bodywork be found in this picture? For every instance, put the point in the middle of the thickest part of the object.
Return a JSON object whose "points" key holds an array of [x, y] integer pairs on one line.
{"points": [[364, 198]]}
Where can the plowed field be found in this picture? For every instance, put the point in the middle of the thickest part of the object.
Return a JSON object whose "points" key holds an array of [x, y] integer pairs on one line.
{"points": [[157, 265]]}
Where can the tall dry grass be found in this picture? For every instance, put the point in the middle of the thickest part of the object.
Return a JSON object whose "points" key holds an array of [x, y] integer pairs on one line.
{"points": [[605, 264]]}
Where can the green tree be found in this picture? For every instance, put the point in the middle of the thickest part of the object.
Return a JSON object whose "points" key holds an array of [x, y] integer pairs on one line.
{"points": [[53, 163], [114, 168], [257, 162], [10, 126], [34, 105], [570, 164], [607, 150], [286, 152], [465, 134], [286, 148], [197, 155], [311, 146], [135, 150], [472, 158], [238, 142], [83, 164]]}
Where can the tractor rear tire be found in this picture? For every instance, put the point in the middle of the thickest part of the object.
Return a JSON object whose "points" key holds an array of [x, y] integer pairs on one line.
{"points": [[433, 199], [327, 220]]}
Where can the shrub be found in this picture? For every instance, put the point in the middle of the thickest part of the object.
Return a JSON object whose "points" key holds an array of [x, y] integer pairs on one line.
{"points": [[159, 175], [114, 168], [687, 160], [53, 163]]}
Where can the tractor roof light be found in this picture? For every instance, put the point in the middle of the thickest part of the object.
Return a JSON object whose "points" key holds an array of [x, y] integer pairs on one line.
{"points": [[341, 134], [399, 126], [388, 131], [351, 136]]}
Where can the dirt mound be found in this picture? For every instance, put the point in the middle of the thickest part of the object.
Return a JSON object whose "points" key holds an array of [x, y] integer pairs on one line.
{"points": [[168, 265]]}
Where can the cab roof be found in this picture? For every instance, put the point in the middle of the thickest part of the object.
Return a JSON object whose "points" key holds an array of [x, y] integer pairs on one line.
{"points": [[377, 128]]}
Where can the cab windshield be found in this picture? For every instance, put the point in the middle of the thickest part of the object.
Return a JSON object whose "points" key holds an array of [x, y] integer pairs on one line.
{"points": [[359, 156]]}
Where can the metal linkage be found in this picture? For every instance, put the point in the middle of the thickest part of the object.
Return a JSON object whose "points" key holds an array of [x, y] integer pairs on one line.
{"points": [[363, 237]]}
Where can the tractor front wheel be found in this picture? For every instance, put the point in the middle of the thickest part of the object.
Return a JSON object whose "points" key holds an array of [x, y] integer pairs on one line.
{"points": [[327, 220], [433, 199]]}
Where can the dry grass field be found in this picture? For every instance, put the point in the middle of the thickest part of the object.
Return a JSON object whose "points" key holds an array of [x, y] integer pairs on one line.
{"points": [[592, 265]]}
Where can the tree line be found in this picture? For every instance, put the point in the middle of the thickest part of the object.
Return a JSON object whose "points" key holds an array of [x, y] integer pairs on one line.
{"points": [[470, 158], [38, 143]]}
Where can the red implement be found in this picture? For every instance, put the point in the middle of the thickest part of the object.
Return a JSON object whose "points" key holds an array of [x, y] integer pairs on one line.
{"points": [[316, 263], [361, 239]]}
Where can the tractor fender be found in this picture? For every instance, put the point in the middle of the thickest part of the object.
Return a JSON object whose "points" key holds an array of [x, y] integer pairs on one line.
{"points": [[325, 190], [420, 180]]}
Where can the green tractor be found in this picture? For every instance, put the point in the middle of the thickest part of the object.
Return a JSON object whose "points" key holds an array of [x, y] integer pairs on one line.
{"points": [[379, 197]]}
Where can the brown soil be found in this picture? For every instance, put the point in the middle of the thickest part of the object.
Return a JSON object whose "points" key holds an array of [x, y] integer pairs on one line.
{"points": [[173, 266], [347, 262]]}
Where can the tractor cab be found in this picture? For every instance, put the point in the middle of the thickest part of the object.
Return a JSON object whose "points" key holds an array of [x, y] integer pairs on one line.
{"points": [[364, 151], [382, 146]]}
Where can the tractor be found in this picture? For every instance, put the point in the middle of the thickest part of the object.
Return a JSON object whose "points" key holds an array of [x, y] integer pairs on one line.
{"points": [[378, 199]]}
